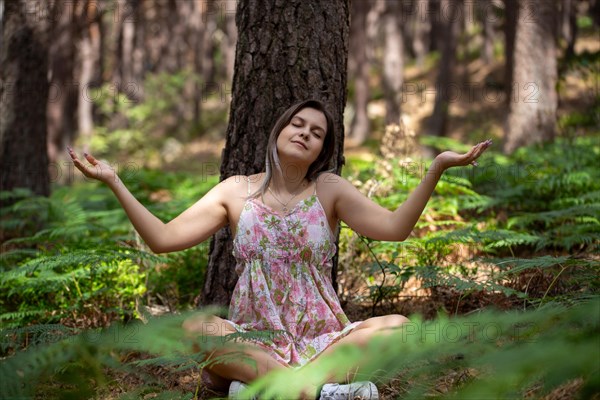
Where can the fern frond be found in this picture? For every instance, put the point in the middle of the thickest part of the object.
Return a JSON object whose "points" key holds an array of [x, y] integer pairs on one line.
{"points": [[513, 266], [21, 314], [500, 238], [556, 216], [436, 277]]}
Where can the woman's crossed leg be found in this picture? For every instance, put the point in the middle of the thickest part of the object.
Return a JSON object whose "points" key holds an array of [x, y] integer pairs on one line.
{"points": [[360, 336], [221, 374]]}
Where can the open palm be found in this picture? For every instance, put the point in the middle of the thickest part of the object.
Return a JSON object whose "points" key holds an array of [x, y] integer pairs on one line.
{"points": [[450, 159], [96, 170]]}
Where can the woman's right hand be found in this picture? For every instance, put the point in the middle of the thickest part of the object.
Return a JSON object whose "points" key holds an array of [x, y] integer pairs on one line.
{"points": [[98, 170]]}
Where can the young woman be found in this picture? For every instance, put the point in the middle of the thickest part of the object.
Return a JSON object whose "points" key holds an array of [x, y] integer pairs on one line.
{"points": [[283, 221]]}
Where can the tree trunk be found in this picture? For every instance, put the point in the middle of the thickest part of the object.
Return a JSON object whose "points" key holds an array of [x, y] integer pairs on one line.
{"points": [[161, 44], [448, 22], [487, 18], [436, 31], [533, 100], [24, 92], [229, 46], [286, 52], [510, 28], [62, 99], [569, 26], [126, 40], [192, 87], [359, 128], [393, 61], [137, 16], [88, 60], [594, 12], [421, 32], [208, 45]]}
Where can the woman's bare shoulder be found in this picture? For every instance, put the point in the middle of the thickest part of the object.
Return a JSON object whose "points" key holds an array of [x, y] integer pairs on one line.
{"points": [[330, 180], [238, 184]]}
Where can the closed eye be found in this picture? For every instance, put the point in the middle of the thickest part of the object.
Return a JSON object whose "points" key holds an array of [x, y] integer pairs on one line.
{"points": [[298, 122]]}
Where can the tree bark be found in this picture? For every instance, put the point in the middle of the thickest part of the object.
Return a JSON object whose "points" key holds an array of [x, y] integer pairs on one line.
{"points": [[287, 51], [24, 92], [533, 100]]}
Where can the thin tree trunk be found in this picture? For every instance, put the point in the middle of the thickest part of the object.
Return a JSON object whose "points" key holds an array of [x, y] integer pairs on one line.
{"points": [[448, 24], [569, 25], [594, 12], [24, 92], [127, 44], [373, 23], [194, 34], [229, 46], [487, 20], [466, 34], [421, 32], [393, 62], [533, 100], [89, 56], [161, 42], [286, 52], [62, 99], [359, 128], [510, 28], [136, 16], [208, 45], [436, 31]]}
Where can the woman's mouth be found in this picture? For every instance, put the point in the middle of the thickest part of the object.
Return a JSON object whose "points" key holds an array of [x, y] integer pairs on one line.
{"points": [[300, 144]]}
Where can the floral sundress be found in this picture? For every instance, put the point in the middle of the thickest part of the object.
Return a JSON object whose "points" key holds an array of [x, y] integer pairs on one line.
{"points": [[284, 286]]}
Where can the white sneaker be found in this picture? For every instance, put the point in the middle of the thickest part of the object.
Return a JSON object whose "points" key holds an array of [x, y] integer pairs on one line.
{"points": [[235, 388], [330, 391], [356, 390]]}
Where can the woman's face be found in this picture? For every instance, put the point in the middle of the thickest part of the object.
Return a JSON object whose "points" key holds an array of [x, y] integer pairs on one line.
{"points": [[303, 138]]}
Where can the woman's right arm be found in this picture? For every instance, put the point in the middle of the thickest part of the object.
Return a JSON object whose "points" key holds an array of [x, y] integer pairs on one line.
{"points": [[191, 227]]}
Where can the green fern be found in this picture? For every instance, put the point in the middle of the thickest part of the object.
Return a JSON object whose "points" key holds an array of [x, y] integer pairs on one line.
{"points": [[493, 344]]}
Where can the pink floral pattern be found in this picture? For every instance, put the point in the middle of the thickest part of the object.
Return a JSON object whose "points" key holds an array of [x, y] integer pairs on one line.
{"points": [[284, 285]]}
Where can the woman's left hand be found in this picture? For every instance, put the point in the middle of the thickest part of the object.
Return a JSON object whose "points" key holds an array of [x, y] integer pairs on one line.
{"points": [[450, 159]]}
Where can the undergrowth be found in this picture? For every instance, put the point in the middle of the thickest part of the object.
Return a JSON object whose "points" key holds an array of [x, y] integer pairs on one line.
{"points": [[508, 250]]}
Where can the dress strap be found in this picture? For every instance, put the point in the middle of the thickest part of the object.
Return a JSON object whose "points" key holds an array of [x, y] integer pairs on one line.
{"points": [[248, 186], [315, 192]]}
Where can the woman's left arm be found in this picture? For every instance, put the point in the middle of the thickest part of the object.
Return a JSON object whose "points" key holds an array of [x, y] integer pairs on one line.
{"points": [[368, 218]]}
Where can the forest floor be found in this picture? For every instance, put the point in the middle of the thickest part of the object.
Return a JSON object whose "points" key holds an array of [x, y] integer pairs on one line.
{"points": [[476, 115]]}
